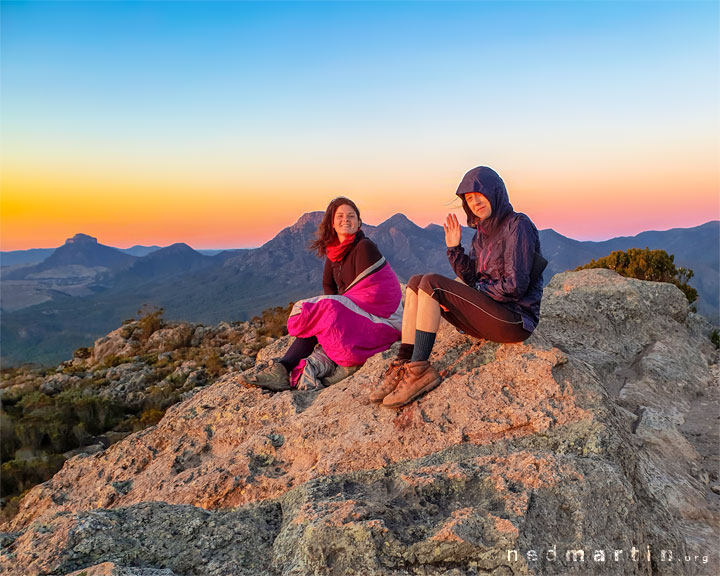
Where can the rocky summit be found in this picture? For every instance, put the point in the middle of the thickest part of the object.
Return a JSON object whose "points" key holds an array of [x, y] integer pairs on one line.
{"points": [[590, 448]]}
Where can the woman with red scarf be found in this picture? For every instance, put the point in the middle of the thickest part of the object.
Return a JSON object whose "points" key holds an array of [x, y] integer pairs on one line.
{"points": [[360, 313]]}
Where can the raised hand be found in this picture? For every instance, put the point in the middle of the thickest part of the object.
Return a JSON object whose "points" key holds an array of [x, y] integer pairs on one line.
{"points": [[453, 231]]}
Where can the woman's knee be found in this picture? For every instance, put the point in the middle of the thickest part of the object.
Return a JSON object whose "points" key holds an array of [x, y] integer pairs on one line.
{"points": [[429, 282], [414, 282]]}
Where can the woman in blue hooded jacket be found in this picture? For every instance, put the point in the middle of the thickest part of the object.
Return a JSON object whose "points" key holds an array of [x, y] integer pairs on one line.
{"points": [[497, 297]]}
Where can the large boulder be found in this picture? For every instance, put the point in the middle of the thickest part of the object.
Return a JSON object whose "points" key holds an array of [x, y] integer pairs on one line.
{"points": [[576, 450], [116, 344]]}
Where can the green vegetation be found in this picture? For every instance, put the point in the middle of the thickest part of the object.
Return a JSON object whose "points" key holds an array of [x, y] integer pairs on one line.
{"points": [[38, 429], [715, 338], [82, 353], [145, 326], [48, 413], [273, 324], [646, 264], [20, 475]]}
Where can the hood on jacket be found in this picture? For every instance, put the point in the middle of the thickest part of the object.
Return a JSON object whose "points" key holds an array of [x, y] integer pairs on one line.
{"points": [[488, 183]]}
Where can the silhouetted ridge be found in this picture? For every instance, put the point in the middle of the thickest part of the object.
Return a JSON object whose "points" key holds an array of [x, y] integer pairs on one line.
{"points": [[174, 250], [175, 259], [84, 250], [400, 222], [140, 251], [81, 239]]}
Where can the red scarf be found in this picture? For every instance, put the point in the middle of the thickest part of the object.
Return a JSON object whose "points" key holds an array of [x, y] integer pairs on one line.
{"points": [[338, 251]]}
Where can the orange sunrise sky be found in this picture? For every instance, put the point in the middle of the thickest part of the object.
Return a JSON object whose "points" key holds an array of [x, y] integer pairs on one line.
{"points": [[218, 124]]}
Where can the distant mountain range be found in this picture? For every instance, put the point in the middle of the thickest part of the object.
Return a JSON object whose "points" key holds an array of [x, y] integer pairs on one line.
{"points": [[54, 301], [37, 255]]}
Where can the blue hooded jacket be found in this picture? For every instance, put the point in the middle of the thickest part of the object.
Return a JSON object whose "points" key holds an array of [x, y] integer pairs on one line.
{"points": [[505, 260]]}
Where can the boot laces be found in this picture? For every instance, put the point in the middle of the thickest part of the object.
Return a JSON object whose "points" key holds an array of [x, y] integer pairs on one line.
{"points": [[400, 370]]}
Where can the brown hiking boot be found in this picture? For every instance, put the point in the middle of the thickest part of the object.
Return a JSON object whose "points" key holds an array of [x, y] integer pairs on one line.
{"points": [[273, 377], [390, 379], [418, 378]]}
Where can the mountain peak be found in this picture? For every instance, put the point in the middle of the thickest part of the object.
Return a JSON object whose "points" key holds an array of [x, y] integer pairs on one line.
{"points": [[81, 239], [179, 247], [85, 250], [307, 220], [313, 218], [551, 232], [398, 218], [400, 222]]}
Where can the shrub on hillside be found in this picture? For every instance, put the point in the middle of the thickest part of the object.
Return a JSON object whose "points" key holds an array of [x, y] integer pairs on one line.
{"points": [[145, 326], [82, 353], [17, 476], [273, 322], [646, 264], [213, 365]]}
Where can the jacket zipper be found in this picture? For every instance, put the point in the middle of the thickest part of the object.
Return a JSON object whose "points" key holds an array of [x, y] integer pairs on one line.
{"points": [[485, 261]]}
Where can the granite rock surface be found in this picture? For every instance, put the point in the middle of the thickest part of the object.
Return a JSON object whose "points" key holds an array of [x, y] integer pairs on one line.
{"points": [[590, 447]]}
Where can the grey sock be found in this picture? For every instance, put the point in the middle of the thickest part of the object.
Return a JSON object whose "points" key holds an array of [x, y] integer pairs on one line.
{"points": [[424, 342]]}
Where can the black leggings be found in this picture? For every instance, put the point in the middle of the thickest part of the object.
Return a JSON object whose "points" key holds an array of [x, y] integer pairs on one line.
{"points": [[470, 310], [301, 348]]}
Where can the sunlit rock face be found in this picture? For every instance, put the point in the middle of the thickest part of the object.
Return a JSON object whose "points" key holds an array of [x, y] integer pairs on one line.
{"points": [[588, 443]]}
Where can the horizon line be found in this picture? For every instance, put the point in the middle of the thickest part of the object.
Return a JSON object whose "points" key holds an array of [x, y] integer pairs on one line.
{"points": [[254, 247]]}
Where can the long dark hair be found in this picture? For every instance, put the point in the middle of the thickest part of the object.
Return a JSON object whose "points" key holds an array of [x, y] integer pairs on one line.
{"points": [[326, 234]]}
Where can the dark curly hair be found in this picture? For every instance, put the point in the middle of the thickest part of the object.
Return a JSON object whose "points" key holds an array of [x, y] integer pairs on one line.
{"points": [[326, 234]]}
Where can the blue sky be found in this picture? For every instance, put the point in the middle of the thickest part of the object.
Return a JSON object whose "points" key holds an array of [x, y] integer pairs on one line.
{"points": [[231, 102]]}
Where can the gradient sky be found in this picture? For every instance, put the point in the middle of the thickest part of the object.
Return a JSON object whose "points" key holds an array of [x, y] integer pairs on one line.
{"points": [[219, 123]]}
